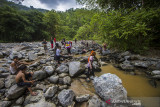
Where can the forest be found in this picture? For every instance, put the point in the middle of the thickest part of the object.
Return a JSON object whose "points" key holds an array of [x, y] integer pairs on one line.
{"points": [[132, 25]]}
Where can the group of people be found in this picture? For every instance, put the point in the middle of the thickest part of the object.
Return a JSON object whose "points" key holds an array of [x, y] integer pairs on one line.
{"points": [[24, 78]]}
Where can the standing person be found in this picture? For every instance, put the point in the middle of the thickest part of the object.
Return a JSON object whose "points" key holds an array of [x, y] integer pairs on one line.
{"points": [[75, 41], [51, 43], [55, 48], [87, 44], [45, 45], [105, 46], [89, 65], [68, 47], [24, 78], [14, 65], [55, 40], [58, 54]]}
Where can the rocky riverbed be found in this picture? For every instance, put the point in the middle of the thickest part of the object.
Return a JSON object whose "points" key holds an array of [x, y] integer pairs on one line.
{"points": [[56, 83]]}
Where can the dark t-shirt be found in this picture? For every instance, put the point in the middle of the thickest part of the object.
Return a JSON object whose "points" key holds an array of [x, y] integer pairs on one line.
{"points": [[51, 41], [44, 42]]}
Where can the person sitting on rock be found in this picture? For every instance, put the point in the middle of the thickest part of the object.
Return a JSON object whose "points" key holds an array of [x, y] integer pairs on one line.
{"points": [[14, 65], [89, 65], [24, 78]]}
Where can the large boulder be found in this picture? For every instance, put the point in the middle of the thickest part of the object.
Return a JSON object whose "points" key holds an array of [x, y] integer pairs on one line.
{"points": [[62, 69], [15, 92], [51, 92], [126, 65], [109, 86], [53, 79], [143, 64], [5, 103], [76, 68], [32, 56], [66, 97], [49, 70], [39, 75], [10, 80]]}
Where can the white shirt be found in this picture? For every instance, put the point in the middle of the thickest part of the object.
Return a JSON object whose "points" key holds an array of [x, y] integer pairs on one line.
{"points": [[58, 51]]}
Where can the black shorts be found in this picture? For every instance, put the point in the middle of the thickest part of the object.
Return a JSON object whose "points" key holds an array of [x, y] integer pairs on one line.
{"points": [[69, 50]]}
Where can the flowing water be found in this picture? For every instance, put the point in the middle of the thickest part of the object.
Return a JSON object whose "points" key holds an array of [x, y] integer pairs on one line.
{"points": [[137, 86]]}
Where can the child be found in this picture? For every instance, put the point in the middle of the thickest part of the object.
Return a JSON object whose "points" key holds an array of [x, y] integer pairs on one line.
{"points": [[24, 78]]}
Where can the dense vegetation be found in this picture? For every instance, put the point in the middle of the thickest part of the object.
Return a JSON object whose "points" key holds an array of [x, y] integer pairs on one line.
{"points": [[127, 25]]}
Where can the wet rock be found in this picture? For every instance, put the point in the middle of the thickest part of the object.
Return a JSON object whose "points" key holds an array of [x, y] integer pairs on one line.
{"points": [[153, 83], [33, 99], [15, 92], [62, 69], [49, 70], [51, 92], [109, 86], [82, 98], [66, 97], [10, 80], [5, 103], [156, 77], [39, 75], [53, 79], [94, 102], [76, 68], [156, 72], [67, 80], [32, 56], [20, 101]]}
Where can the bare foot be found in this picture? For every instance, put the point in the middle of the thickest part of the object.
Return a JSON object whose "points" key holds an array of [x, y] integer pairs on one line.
{"points": [[34, 93]]}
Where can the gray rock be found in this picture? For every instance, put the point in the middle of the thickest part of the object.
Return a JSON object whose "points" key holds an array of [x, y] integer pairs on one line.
{"points": [[96, 66], [67, 80], [106, 52], [82, 98], [39, 75], [3, 70], [51, 92], [126, 65], [1, 55], [15, 92], [41, 87], [156, 77], [1, 83], [33, 99], [4, 75], [36, 64], [32, 56], [53, 79], [20, 101], [63, 75], [63, 87], [5, 103], [10, 80], [143, 64], [156, 72], [66, 97], [62, 69], [76, 68], [49, 70], [42, 61], [109, 86], [158, 65], [14, 53], [125, 53], [94, 102]]}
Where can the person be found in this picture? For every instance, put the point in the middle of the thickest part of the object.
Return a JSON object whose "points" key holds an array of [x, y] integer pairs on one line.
{"points": [[87, 44], [55, 49], [58, 54], [55, 40], [75, 41], [89, 65], [71, 43], [14, 65], [45, 45], [51, 43], [105, 46], [68, 47], [101, 50], [24, 78]]}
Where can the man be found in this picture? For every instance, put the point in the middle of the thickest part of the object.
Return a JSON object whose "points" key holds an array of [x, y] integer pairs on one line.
{"points": [[24, 78], [51, 43], [14, 65], [45, 45]]}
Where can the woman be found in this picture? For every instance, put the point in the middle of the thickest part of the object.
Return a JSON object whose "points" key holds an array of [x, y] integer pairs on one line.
{"points": [[90, 66]]}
